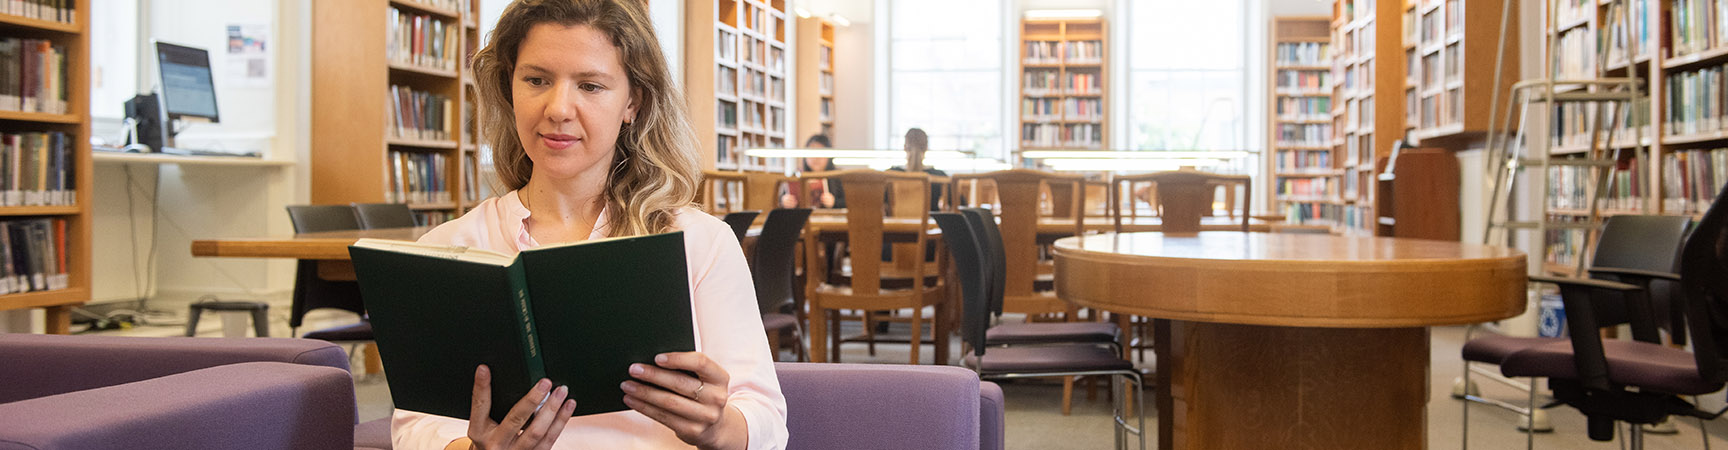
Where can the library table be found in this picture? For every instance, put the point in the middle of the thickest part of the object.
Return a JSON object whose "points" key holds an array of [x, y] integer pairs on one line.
{"points": [[1290, 340]]}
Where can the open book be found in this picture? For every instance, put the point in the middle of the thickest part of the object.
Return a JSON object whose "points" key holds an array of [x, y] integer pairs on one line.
{"points": [[578, 314]]}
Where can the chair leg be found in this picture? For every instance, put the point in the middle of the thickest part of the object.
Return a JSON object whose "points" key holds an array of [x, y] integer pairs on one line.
{"points": [[261, 321], [774, 345], [1067, 394], [1530, 418], [1464, 437], [192, 320], [1702, 431], [917, 340], [833, 335], [1635, 437], [1091, 388], [870, 332]]}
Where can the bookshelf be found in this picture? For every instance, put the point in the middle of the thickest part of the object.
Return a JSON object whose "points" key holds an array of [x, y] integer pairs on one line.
{"points": [[47, 224], [815, 78], [1064, 84], [738, 92], [1448, 36], [389, 101], [1299, 120], [1366, 78]]}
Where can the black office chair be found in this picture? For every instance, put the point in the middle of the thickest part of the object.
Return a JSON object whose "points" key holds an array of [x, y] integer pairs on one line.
{"points": [[1637, 382], [311, 292], [1029, 333], [772, 265], [1029, 361], [1648, 243], [383, 215], [740, 222]]}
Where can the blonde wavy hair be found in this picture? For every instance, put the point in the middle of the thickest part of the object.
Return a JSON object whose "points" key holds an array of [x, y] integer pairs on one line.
{"points": [[655, 170]]}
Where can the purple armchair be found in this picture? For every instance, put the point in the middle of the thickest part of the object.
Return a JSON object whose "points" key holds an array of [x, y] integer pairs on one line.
{"points": [[872, 406], [94, 392]]}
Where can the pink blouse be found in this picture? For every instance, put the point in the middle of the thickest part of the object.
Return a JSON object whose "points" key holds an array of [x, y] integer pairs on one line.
{"points": [[728, 330]]}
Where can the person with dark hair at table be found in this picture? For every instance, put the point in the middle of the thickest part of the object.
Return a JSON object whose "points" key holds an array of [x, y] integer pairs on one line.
{"points": [[823, 193], [917, 143]]}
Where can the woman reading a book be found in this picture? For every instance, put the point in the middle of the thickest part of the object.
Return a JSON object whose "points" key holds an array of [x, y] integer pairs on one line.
{"points": [[823, 193], [588, 131]]}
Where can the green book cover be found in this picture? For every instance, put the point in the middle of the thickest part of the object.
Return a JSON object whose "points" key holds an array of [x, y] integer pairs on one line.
{"points": [[578, 314]]}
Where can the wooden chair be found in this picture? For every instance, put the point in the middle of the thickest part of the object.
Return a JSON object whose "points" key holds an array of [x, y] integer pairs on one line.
{"points": [[721, 192], [1019, 212], [865, 218], [1182, 197]]}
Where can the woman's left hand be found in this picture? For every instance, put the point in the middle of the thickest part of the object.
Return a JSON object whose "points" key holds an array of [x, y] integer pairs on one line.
{"points": [[693, 407]]}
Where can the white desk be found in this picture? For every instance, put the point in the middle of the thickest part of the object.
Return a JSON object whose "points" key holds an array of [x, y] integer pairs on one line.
{"points": [[159, 158]]}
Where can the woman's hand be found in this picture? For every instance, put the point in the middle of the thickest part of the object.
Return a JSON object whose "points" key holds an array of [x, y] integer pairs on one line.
{"points": [[548, 422], [827, 200], [788, 201], [693, 407]]}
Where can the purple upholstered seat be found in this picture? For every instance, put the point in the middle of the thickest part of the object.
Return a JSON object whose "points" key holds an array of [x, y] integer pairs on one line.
{"points": [[374, 435], [778, 321], [1047, 332], [83, 392], [361, 331], [1650, 366], [1494, 349], [1066, 358], [878, 406]]}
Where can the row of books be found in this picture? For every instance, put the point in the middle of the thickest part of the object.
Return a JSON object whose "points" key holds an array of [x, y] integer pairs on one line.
{"points": [[1573, 123], [36, 169], [470, 178], [417, 177], [827, 80], [421, 115], [1691, 179], [1304, 108], [432, 218], [1303, 160], [1312, 213], [726, 115], [421, 40], [454, 5], [1304, 134], [827, 112], [1083, 83], [1575, 54], [1045, 109], [33, 76], [1564, 245], [1627, 31], [1696, 26], [825, 57], [50, 10], [1695, 101], [1302, 80], [1568, 11], [1302, 54], [1569, 187], [33, 255], [1083, 135], [1308, 187], [1055, 52], [725, 81]]}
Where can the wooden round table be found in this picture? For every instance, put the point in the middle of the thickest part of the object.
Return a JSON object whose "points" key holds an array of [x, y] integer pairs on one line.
{"points": [[1290, 340]]}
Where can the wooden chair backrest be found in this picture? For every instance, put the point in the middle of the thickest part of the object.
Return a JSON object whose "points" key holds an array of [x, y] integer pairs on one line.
{"points": [[721, 192], [1184, 196], [1019, 191], [865, 214], [762, 190]]}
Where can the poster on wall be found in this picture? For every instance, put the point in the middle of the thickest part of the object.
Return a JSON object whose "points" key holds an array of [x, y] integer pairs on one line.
{"points": [[248, 59]]}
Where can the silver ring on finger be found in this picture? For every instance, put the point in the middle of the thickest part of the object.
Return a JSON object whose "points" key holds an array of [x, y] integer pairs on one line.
{"points": [[697, 394]]}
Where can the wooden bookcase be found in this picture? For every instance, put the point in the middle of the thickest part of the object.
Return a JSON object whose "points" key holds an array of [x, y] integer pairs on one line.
{"points": [[815, 79], [1305, 175], [737, 92], [1450, 36], [73, 37], [1064, 84], [1368, 97], [355, 141]]}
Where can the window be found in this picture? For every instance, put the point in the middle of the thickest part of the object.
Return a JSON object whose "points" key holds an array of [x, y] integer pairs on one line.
{"points": [[113, 56], [1188, 78], [945, 74]]}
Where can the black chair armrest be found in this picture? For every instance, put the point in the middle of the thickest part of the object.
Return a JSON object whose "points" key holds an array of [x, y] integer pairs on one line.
{"points": [[1585, 329], [1585, 283], [1635, 273]]}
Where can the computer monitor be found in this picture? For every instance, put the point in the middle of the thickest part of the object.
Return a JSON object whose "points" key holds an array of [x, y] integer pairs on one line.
{"points": [[187, 88]]}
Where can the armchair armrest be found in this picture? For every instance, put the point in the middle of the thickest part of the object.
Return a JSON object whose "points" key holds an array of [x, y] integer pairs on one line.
{"points": [[61, 364], [1582, 310], [262, 405], [1635, 273], [1582, 282]]}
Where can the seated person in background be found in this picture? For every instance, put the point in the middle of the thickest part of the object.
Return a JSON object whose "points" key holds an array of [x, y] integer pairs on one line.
{"points": [[825, 193], [591, 135], [917, 143]]}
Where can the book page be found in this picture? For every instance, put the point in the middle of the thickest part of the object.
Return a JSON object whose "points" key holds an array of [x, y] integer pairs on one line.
{"points": [[467, 254]]}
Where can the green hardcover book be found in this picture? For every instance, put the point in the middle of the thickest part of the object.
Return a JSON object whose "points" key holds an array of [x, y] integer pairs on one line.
{"points": [[578, 314]]}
